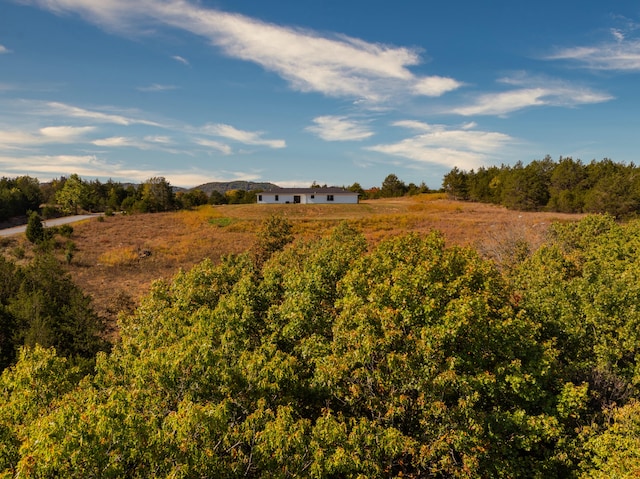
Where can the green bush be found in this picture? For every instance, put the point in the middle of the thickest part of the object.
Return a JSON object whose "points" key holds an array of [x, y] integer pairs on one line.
{"points": [[35, 229]]}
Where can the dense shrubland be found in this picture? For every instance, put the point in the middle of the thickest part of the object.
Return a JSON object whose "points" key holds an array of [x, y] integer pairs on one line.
{"points": [[39, 304], [329, 358]]}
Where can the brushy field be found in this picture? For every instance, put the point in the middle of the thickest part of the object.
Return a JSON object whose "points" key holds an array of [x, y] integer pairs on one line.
{"points": [[116, 260]]}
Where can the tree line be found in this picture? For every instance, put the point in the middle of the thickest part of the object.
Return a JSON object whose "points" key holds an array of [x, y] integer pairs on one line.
{"points": [[72, 195], [566, 185], [332, 358]]}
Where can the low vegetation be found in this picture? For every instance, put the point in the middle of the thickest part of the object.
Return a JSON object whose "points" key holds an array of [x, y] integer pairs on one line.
{"points": [[331, 355], [413, 336]]}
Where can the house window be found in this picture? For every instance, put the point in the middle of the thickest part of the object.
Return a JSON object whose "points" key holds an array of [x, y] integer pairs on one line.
{"points": [[313, 196], [276, 198], [329, 197], [259, 197]]}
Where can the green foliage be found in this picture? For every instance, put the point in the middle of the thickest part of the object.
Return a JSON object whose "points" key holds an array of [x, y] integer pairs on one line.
{"points": [[615, 452], [392, 187], [236, 197], [18, 196], [455, 184], [274, 234], [579, 288], [567, 186], [191, 199], [156, 195], [74, 195], [35, 230], [217, 198], [28, 391], [328, 358], [40, 305]]}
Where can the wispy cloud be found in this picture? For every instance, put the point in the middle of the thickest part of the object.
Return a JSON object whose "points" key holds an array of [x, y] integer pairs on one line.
{"points": [[95, 115], [47, 167], [180, 59], [620, 53], [159, 139], [4, 50], [531, 92], [618, 56], [339, 128], [463, 147], [436, 86], [65, 133], [56, 165], [334, 65], [157, 87], [241, 136], [118, 141], [158, 143], [12, 139], [216, 145]]}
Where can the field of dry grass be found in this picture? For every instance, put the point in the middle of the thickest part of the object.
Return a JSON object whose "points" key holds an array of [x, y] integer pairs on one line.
{"points": [[116, 260]]}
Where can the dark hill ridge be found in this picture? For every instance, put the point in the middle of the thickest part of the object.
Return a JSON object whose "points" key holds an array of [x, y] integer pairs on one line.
{"points": [[223, 186]]}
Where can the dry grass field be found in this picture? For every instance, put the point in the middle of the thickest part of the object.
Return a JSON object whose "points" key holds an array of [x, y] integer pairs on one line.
{"points": [[117, 259]]}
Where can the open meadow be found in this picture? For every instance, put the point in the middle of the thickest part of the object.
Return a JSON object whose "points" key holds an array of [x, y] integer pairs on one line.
{"points": [[117, 259]]}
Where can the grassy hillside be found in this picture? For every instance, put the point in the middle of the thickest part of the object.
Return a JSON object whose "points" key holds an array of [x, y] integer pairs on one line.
{"points": [[117, 259]]}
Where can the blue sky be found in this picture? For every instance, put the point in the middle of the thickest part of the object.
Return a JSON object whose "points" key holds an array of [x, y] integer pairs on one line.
{"points": [[333, 91]]}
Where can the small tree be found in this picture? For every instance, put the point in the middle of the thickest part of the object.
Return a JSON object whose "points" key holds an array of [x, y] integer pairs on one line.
{"points": [[392, 187], [73, 195], [217, 198], [35, 229]]}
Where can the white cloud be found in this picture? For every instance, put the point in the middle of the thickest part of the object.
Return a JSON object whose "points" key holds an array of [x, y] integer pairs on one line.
{"points": [[70, 111], [117, 141], [339, 128], [57, 165], [242, 136], [621, 54], [531, 91], [47, 167], [415, 125], [157, 87], [438, 144], [158, 143], [66, 134], [12, 139], [503, 102], [4, 49], [216, 145], [436, 86], [617, 34], [163, 140], [334, 65], [180, 59]]}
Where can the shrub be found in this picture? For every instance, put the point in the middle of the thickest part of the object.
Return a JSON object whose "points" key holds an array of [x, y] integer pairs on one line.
{"points": [[35, 229]]}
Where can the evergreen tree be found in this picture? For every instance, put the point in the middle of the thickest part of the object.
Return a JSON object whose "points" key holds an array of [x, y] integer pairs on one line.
{"points": [[35, 230]]}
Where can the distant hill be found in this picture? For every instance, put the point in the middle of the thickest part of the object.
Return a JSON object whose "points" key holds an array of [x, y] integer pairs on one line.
{"points": [[223, 186]]}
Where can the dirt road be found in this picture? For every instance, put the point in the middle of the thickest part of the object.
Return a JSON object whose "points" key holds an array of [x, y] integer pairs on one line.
{"points": [[52, 222]]}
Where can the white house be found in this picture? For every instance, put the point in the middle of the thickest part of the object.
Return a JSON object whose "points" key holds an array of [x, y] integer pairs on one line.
{"points": [[308, 196]]}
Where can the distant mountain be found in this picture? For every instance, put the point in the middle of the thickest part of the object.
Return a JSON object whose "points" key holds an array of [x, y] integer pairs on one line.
{"points": [[224, 186]]}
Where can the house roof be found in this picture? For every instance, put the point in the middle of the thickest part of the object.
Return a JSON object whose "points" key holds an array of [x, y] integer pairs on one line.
{"points": [[331, 190]]}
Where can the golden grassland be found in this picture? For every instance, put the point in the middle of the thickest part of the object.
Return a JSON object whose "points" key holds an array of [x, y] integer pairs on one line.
{"points": [[120, 256]]}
